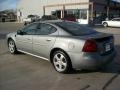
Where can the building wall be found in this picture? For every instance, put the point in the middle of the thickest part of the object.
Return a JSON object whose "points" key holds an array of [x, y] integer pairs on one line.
{"points": [[28, 7], [99, 5], [99, 1]]}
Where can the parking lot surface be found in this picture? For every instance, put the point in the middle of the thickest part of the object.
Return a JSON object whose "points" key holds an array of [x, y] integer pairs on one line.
{"points": [[24, 72]]}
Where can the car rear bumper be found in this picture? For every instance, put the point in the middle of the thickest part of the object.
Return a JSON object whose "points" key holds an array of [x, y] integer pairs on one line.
{"points": [[90, 60]]}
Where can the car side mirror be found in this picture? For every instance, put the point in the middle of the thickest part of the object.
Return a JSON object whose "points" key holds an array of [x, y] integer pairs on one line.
{"points": [[20, 32]]}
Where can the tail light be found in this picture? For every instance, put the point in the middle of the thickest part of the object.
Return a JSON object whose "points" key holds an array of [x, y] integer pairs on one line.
{"points": [[90, 46]]}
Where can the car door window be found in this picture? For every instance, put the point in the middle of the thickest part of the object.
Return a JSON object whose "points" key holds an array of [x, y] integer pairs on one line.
{"points": [[45, 29], [30, 30]]}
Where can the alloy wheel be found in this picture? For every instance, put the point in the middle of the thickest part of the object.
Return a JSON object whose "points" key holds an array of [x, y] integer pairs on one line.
{"points": [[11, 46], [105, 24], [60, 62]]}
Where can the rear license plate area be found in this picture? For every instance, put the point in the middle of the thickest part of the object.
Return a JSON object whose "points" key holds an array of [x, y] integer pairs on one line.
{"points": [[107, 47]]}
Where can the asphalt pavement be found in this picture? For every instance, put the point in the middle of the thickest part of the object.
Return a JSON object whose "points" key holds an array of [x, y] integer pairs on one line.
{"points": [[24, 72]]}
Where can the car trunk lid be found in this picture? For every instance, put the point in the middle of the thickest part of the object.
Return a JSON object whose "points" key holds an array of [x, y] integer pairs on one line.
{"points": [[104, 42]]}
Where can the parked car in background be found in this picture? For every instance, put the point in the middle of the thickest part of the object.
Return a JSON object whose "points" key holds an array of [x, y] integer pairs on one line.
{"points": [[30, 19], [115, 22], [65, 44], [69, 18]]}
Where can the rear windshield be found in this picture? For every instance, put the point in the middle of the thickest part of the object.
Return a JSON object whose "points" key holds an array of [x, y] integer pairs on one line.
{"points": [[75, 28]]}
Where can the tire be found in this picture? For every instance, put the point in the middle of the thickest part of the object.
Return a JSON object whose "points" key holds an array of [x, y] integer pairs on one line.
{"points": [[61, 62], [105, 24], [25, 23], [12, 47]]}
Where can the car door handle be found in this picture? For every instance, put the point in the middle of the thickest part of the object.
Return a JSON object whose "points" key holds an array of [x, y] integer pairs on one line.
{"points": [[48, 40]]}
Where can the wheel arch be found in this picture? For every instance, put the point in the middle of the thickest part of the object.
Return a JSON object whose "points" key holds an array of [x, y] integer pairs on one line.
{"points": [[105, 22], [9, 40], [15, 49], [58, 49]]}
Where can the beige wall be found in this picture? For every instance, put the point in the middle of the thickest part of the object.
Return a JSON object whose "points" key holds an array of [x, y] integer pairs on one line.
{"points": [[36, 6], [28, 7]]}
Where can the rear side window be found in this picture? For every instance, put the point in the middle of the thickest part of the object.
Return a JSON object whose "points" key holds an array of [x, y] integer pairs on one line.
{"points": [[45, 29], [75, 28]]}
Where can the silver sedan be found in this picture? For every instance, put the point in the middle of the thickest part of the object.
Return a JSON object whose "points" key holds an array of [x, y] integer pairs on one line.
{"points": [[67, 45]]}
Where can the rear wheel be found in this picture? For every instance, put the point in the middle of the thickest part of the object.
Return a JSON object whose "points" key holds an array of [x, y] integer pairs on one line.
{"points": [[105, 24], [61, 62], [12, 46]]}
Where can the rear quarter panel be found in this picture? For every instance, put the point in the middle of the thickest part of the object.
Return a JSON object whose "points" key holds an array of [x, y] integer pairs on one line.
{"points": [[69, 44]]}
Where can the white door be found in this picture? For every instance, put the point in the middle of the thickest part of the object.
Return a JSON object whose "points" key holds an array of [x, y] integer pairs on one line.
{"points": [[114, 22], [117, 22]]}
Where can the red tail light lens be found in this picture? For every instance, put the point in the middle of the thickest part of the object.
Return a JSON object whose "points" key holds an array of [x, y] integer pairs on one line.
{"points": [[90, 46]]}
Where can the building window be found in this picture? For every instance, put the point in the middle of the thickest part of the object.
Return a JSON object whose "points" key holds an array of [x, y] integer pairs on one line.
{"points": [[83, 14], [78, 13]]}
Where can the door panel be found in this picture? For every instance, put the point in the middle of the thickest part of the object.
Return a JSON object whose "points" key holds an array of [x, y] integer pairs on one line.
{"points": [[24, 42], [44, 39], [118, 23], [115, 22], [42, 45], [110, 23]]}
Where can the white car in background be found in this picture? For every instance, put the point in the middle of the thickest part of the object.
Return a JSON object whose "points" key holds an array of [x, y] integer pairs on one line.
{"points": [[115, 22], [30, 19]]}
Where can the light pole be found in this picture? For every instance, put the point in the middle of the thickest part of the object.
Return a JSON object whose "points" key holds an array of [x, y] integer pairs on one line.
{"points": [[108, 8]]}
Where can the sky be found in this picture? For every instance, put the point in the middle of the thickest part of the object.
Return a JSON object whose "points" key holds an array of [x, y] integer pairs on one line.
{"points": [[11, 4], [7, 4]]}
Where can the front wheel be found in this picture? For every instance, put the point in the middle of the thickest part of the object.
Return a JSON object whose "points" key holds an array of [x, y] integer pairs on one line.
{"points": [[105, 24], [12, 47], [61, 62]]}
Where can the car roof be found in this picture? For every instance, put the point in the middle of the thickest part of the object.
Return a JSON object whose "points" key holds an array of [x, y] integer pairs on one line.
{"points": [[51, 21], [48, 21], [54, 21]]}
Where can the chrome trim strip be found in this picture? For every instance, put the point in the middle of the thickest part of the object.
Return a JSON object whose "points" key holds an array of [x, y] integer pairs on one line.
{"points": [[34, 55]]}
